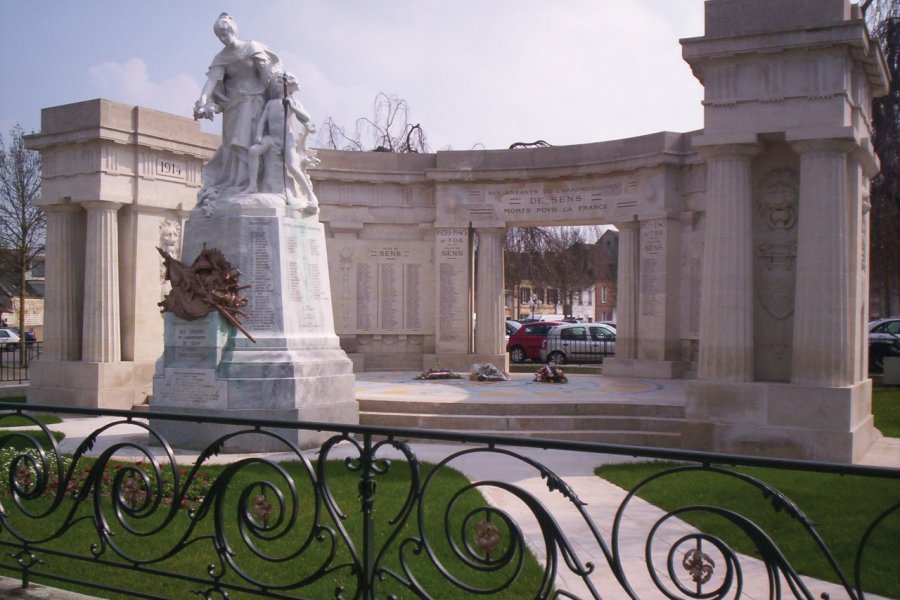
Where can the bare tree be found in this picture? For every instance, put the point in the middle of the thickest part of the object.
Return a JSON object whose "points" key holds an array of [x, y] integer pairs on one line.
{"points": [[883, 17], [523, 260], [570, 265], [559, 258], [23, 225], [389, 130]]}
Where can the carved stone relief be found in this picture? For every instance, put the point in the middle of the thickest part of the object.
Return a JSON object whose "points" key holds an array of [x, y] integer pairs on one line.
{"points": [[170, 243], [776, 242]]}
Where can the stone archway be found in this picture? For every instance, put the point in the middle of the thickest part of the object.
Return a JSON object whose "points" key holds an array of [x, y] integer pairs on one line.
{"points": [[384, 213]]}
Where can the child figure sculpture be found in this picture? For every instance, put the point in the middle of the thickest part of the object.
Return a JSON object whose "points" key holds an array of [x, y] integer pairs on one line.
{"points": [[275, 133]]}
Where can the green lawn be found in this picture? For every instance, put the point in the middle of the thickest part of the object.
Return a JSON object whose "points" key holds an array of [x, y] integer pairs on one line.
{"points": [[280, 541], [17, 421], [841, 507], [886, 408]]}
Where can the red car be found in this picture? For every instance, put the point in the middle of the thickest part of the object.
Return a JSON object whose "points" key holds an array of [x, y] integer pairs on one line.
{"points": [[526, 342]]}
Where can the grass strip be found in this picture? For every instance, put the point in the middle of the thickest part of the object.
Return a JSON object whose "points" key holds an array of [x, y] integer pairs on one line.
{"points": [[449, 509], [886, 409], [841, 508]]}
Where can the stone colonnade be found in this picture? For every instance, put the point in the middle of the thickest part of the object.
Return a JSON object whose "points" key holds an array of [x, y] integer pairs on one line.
{"points": [[407, 227], [112, 176], [787, 145]]}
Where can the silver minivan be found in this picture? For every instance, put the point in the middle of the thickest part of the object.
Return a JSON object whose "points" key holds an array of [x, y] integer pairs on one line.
{"points": [[578, 342]]}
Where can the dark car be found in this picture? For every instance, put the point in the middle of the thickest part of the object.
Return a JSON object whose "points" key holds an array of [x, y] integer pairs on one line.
{"points": [[884, 340], [526, 342]]}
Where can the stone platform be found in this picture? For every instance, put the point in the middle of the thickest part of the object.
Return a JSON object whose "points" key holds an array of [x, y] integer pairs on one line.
{"points": [[588, 408]]}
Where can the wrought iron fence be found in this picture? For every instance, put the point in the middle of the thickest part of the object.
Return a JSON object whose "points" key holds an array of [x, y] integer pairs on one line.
{"points": [[371, 518], [16, 359]]}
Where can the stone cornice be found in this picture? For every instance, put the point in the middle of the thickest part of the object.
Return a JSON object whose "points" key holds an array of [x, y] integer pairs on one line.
{"points": [[854, 34]]}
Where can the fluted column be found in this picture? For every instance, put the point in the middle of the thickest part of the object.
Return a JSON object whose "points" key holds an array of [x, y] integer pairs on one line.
{"points": [[823, 314], [489, 323], [726, 299], [101, 339], [62, 309], [627, 290]]}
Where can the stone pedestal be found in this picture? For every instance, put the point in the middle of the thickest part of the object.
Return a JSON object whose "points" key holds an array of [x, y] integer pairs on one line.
{"points": [[781, 420], [295, 371]]}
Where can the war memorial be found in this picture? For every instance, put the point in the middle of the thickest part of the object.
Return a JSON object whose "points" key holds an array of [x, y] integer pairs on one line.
{"points": [[742, 257]]}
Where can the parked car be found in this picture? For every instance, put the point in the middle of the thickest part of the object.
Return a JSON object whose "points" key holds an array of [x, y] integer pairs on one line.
{"points": [[8, 339], [511, 327], [525, 343], [578, 342], [558, 318], [29, 335], [884, 340]]}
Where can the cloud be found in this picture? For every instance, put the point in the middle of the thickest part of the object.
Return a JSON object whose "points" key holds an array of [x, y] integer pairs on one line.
{"points": [[128, 82]]}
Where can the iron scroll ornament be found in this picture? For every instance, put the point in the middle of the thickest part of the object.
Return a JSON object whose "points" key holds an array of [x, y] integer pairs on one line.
{"points": [[104, 507]]}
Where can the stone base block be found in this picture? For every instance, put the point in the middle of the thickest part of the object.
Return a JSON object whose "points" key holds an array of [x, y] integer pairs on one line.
{"points": [[780, 420], [650, 369], [198, 436], [89, 385]]}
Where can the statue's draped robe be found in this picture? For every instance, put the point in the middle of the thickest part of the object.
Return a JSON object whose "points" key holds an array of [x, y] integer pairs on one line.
{"points": [[243, 75]]}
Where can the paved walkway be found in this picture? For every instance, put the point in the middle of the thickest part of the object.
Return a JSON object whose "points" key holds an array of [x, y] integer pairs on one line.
{"points": [[602, 499]]}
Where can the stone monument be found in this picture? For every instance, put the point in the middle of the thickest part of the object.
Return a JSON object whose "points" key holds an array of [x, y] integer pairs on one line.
{"points": [[256, 207]]}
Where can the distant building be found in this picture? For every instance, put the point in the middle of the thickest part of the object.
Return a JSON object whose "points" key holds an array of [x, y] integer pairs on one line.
{"points": [[34, 294]]}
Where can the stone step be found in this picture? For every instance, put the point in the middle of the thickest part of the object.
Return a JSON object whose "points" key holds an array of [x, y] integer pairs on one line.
{"points": [[520, 424], [625, 409], [627, 438]]}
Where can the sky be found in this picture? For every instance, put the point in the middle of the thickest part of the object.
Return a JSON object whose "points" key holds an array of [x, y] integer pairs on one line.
{"points": [[475, 73]]}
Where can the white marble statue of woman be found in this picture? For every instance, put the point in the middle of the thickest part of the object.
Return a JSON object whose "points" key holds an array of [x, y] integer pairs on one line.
{"points": [[236, 86]]}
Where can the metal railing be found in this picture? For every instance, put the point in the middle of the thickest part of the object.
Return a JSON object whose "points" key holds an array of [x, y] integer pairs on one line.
{"points": [[16, 359], [257, 526]]}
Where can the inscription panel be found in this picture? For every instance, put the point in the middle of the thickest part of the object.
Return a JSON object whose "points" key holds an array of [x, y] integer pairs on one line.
{"points": [[379, 286], [260, 274], [193, 388], [653, 234], [304, 293], [452, 289], [170, 168], [593, 199]]}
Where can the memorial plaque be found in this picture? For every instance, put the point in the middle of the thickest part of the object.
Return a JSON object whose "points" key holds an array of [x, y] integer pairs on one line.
{"points": [[652, 276], [302, 259], [453, 289], [557, 200], [385, 281], [366, 311], [192, 388], [390, 295], [260, 274]]}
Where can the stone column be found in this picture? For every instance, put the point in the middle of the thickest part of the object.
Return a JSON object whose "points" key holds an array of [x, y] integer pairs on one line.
{"points": [[101, 339], [62, 307], [823, 313], [626, 291], [489, 295], [726, 299]]}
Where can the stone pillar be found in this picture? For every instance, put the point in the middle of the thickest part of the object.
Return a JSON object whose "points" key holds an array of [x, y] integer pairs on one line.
{"points": [[726, 299], [489, 295], [626, 292], [101, 340], [62, 304], [824, 306]]}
